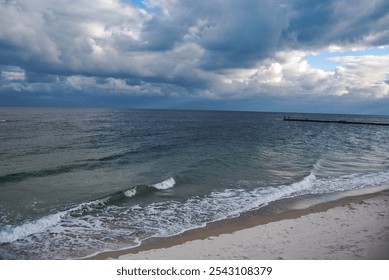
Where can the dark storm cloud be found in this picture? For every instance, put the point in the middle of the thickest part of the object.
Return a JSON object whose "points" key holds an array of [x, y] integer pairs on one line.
{"points": [[315, 23], [46, 36], [232, 33], [210, 49], [82, 38]]}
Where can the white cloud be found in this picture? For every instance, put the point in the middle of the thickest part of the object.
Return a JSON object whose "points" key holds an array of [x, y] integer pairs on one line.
{"points": [[80, 82], [364, 75], [285, 73], [289, 73], [58, 34], [13, 74]]}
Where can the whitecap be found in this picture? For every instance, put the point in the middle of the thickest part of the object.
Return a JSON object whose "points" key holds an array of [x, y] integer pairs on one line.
{"points": [[130, 192], [11, 234], [167, 184]]}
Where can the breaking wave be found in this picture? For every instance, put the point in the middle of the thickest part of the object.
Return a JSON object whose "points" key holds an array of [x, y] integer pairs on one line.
{"points": [[93, 221], [167, 184], [11, 234]]}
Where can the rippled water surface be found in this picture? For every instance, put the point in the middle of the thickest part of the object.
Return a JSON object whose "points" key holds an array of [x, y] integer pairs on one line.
{"points": [[74, 182]]}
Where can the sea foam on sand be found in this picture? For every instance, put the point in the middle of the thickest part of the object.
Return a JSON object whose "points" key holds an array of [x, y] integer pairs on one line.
{"points": [[354, 231]]}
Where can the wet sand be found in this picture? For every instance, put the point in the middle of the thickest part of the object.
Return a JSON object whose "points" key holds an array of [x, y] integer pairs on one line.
{"points": [[354, 225]]}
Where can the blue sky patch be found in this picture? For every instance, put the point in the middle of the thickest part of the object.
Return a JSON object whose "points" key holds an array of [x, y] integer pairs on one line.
{"points": [[323, 59]]}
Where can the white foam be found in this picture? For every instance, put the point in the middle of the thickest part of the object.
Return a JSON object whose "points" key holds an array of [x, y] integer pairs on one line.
{"points": [[163, 218], [167, 184], [350, 182], [11, 234], [305, 184], [130, 193], [14, 233], [197, 211]]}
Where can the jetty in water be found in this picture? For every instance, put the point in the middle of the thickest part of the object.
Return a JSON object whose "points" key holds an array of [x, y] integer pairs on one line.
{"points": [[332, 121]]}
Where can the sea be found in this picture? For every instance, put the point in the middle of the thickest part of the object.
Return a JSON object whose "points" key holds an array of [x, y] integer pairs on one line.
{"points": [[76, 182]]}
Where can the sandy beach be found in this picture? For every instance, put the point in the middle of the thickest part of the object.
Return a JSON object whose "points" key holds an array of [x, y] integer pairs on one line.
{"points": [[355, 227]]}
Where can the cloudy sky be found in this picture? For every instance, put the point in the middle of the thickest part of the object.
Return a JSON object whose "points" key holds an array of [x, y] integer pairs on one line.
{"points": [[263, 55]]}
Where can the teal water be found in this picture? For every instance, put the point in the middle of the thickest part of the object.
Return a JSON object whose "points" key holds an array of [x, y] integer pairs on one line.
{"points": [[74, 182]]}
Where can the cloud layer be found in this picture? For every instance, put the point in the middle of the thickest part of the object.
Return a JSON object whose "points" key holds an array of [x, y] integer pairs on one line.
{"points": [[193, 49]]}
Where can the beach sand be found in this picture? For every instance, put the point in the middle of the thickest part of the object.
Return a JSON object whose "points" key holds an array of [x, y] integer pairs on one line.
{"points": [[349, 228]]}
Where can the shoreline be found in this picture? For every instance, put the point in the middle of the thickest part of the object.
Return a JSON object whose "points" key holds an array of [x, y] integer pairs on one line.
{"points": [[278, 212]]}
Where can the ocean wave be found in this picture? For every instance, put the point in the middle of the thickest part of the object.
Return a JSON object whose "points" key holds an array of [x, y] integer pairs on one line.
{"points": [[306, 184], [138, 190], [164, 185], [13, 233], [21, 176], [90, 222], [130, 192], [349, 182], [117, 155]]}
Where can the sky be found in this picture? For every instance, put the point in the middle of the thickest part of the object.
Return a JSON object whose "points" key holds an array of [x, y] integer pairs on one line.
{"points": [[327, 56]]}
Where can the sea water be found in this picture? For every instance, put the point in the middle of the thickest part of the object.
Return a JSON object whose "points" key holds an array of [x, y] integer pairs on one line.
{"points": [[75, 182]]}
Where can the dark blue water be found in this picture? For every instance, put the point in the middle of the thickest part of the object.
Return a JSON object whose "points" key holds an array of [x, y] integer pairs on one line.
{"points": [[74, 182]]}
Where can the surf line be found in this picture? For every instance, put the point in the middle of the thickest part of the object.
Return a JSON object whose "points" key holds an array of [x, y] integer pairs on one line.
{"points": [[333, 121]]}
